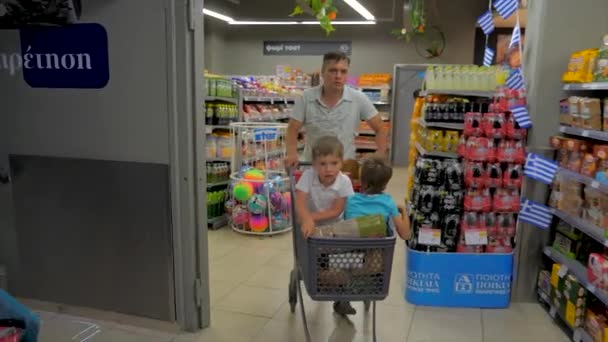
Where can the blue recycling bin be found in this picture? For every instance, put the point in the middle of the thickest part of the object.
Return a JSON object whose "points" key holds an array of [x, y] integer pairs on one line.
{"points": [[459, 280]]}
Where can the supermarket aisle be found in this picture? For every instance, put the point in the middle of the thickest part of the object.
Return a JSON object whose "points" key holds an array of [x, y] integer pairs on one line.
{"points": [[249, 277]]}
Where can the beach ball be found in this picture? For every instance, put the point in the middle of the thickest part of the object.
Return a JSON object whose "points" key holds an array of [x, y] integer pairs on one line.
{"points": [[240, 215], [280, 221], [277, 201], [254, 175], [258, 223], [243, 191], [278, 182], [244, 169], [257, 204]]}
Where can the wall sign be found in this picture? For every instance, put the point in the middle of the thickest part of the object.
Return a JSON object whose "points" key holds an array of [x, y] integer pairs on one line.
{"points": [[73, 56], [305, 48]]}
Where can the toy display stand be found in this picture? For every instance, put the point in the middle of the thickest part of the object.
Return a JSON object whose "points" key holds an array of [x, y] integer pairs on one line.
{"points": [[260, 203]]}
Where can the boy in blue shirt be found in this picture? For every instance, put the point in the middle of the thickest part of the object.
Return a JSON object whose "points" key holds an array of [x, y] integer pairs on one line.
{"points": [[375, 175]]}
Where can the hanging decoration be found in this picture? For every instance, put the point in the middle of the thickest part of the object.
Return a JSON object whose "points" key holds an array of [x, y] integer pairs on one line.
{"points": [[488, 56], [536, 214], [323, 10], [429, 41]]}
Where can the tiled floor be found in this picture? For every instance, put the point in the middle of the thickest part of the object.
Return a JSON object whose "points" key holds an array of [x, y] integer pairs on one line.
{"points": [[249, 277]]}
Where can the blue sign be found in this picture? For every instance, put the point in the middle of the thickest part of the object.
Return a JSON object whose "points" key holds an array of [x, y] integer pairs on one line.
{"points": [[72, 56], [265, 134], [459, 280]]}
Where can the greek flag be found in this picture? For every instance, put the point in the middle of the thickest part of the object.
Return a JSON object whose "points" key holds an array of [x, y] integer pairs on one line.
{"points": [[539, 168], [515, 37], [521, 115], [488, 57], [535, 214], [505, 8], [515, 80], [486, 22]]}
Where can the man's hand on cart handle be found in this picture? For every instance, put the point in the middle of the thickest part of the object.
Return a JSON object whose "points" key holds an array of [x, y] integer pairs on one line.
{"points": [[291, 160], [308, 228], [402, 210]]}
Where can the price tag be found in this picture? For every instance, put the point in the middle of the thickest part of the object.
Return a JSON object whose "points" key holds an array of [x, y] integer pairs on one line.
{"points": [[476, 237], [285, 100], [553, 312], [595, 184], [585, 133], [562, 129], [429, 237], [271, 100], [562, 271]]}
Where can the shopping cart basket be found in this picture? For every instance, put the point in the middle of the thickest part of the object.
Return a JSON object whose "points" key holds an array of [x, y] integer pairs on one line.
{"points": [[338, 269], [10, 330]]}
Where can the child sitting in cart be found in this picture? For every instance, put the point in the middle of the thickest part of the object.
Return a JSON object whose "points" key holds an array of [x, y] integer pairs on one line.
{"points": [[321, 193], [375, 174]]}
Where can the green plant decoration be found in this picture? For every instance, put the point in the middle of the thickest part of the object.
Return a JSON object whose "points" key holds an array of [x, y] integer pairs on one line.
{"points": [[429, 41], [323, 10]]}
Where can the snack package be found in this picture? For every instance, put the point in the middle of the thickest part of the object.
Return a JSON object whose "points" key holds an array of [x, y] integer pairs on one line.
{"points": [[450, 141], [580, 66], [601, 70], [591, 113], [371, 226], [596, 207], [601, 153], [597, 271], [575, 110], [589, 165], [544, 282], [596, 324], [565, 118]]}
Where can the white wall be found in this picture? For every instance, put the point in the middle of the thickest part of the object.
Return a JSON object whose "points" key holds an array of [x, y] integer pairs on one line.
{"points": [[374, 48]]}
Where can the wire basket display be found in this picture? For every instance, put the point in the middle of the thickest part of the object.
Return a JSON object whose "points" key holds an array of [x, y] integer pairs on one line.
{"points": [[260, 202]]}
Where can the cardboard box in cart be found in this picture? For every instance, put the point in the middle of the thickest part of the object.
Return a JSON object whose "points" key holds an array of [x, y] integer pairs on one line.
{"points": [[459, 280]]}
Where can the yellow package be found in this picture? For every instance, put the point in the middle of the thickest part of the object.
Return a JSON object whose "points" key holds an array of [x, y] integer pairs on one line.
{"points": [[450, 141], [601, 73], [580, 66], [435, 140], [554, 275]]}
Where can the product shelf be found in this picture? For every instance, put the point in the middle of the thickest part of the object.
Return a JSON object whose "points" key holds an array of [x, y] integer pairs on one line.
{"points": [[585, 133], [583, 179], [217, 222], [446, 125], [578, 270], [211, 185], [271, 99], [578, 334], [366, 147], [586, 86], [281, 116], [456, 92], [218, 159], [382, 103], [222, 99], [261, 156], [424, 152], [593, 231]]}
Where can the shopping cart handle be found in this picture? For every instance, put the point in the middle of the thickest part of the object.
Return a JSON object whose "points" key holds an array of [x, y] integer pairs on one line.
{"points": [[12, 323]]}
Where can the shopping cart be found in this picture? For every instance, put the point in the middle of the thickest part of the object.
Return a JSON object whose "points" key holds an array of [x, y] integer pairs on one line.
{"points": [[10, 330], [338, 269]]}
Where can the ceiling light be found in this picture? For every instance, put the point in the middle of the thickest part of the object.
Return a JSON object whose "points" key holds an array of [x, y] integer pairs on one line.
{"points": [[360, 9], [237, 22], [359, 22], [217, 15]]}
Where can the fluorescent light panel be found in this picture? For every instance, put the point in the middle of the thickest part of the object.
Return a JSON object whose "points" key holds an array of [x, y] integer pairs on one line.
{"points": [[360, 9], [217, 15]]}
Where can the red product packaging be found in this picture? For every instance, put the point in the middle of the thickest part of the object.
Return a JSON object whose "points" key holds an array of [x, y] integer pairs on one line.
{"points": [[494, 178], [462, 146], [506, 201], [597, 271], [499, 245], [470, 221], [478, 200], [463, 248], [511, 151], [505, 224], [480, 150], [472, 124], [494, 125], [489, 223], [513, 177], [514, 131], [475, 175]]}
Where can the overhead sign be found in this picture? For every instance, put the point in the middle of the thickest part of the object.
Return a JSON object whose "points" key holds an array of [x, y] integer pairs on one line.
{"points": [[72, 56], [305, 48]]}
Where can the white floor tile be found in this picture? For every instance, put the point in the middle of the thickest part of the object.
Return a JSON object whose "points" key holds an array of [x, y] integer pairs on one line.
{"points": [[438, 324], [255, 301], [227, 327]]}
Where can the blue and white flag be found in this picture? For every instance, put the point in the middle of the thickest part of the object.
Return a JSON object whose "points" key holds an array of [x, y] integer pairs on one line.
{"points": [[506, 8], [540, 168], [535, 214], [486, 22], [515, 37], [515, 80], [521, 115], [488, 56]]}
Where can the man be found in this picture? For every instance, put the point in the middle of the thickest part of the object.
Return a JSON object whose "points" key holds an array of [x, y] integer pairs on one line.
{"points": [[333, 109]]}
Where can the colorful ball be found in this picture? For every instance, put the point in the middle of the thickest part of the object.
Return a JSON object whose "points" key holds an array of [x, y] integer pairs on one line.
{"points": [[229, 206], [279, 221], [278, 182], [287, 199], [278, 201], [240, 215], [258, 223], [243, 191], [244, 169], [254, 175], [257, 204], [268, 188]]}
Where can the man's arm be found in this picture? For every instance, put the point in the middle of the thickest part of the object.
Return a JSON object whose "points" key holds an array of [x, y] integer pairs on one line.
{"points": [[381, 134], [293, 129]]}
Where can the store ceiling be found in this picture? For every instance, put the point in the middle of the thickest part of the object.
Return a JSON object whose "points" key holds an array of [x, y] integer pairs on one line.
{"points": [[263, 10]]}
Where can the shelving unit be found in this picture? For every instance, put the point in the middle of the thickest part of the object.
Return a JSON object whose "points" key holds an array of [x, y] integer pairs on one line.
{"points": [[585, 133], [270, 99], [383, 104], [577, 335], [474, 93], [446, 125], [231, 100], [586, 86], [426, 153]]}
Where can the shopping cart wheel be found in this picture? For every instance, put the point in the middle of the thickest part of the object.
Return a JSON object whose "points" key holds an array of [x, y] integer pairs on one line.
{"points": [[367, 304], [293, 292]]}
